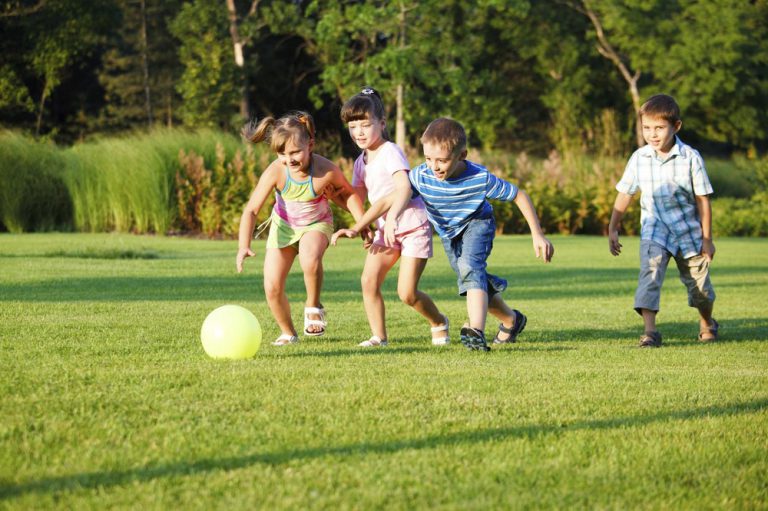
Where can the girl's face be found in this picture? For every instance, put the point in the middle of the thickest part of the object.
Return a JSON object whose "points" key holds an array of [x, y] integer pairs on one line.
{"points": [[296, 155], [367, 133]]}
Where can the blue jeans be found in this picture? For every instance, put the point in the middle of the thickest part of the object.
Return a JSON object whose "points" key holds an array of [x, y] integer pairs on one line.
{"points": [[468, 253]]}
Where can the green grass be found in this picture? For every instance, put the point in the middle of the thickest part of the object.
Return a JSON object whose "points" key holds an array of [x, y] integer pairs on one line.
{"points": [[108, 400]]}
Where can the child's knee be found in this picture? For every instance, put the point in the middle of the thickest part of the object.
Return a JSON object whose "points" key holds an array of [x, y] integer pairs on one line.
{"points": [[273, 289], [407, 296], [369, 283]]}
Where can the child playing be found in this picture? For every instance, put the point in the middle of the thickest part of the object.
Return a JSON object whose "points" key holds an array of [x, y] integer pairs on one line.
{"points": [[301, 220], [455, 192], [381, 169], [676, 218]]}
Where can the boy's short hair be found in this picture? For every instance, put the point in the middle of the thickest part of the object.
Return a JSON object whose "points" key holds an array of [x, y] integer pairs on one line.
{"points": [[662, 106], [446, 133]]}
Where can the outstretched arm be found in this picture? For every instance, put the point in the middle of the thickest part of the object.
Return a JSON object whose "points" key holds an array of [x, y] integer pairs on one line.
{"points": [[402, 196], [705, 215], [541, 245], [377, 209], [620, 206], [263, 188]]}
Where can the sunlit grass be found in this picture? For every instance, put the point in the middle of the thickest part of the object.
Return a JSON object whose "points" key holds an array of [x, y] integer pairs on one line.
{"points": [[108, 400]]}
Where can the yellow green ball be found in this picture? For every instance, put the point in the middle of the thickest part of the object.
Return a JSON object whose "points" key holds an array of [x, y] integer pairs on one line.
{"points": [[231, 332]]}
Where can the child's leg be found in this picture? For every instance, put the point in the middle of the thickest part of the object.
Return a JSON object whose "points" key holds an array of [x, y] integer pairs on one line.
{"points": [[411, 269], [477, 308], [312, 247], [277, 264], [694, 273], [378, 262], [653, 267], [504, 313]]}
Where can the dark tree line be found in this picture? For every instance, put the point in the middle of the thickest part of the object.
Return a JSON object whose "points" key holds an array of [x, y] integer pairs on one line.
{"points": [[520, 74]]}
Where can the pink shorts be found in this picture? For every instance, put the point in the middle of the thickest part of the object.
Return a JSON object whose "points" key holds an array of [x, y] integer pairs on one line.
{"points": [[415, 243]]}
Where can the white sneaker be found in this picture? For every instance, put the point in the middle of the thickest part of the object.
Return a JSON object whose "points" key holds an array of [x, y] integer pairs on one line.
{"points": [[374, 342]]}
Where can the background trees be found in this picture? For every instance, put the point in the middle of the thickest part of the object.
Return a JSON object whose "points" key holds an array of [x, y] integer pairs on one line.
{"points": [[565, 74]]}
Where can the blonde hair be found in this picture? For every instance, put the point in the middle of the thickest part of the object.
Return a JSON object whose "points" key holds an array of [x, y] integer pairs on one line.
{"points": [[663, 106], [297, 126], [446, 133]]}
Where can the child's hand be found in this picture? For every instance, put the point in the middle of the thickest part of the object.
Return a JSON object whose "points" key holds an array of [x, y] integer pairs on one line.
{"points": [[367, 237], [242, 253], [543, 248], [389, 232], [708, 249], [613, 242], [349, 233]]}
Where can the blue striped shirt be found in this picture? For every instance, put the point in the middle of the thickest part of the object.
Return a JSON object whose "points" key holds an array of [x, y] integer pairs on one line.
{"points": [[452, 203], [668, 212]]}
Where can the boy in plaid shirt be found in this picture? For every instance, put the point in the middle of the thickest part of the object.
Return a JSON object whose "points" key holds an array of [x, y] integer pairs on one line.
{"points": [[676, 217]]}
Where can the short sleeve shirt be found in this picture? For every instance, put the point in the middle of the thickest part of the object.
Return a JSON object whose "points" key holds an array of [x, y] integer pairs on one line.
{"points": [[454, 202], [376, 177], [668, 212]]}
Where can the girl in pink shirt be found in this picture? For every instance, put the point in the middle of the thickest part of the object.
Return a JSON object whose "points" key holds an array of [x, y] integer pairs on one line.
{"points": [[379, 170]]}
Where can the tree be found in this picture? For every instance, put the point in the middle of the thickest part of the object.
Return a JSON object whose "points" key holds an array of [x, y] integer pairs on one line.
{"points": [[140, 67]]}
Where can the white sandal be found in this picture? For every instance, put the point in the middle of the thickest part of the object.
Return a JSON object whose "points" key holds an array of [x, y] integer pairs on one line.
{"points": [[308, 322], [285, 340], [374, 342], [441, 341]]}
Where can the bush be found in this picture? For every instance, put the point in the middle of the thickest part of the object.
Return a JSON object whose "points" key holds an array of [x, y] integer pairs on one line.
{"points": [[33, 195], [740, 217]]}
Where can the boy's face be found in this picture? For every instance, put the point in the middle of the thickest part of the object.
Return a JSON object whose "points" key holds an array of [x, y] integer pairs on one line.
{"points": [[659, 133], [367, 133], [442, 162]]}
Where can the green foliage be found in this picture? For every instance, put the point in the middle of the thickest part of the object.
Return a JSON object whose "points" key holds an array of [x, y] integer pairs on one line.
{"points": [[740, 217], [208, 84], [33, 196], [212, 201], [109, 402]]}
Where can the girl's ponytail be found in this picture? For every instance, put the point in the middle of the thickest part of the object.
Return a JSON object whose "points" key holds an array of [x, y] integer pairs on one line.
{"points": [[255, 133]]}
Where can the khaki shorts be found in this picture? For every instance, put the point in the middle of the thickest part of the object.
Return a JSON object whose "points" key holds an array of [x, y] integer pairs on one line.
{"points": [[694, 273]]}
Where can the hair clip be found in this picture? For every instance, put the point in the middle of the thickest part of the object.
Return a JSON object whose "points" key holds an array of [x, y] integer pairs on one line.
{"points": [[367, 91]]}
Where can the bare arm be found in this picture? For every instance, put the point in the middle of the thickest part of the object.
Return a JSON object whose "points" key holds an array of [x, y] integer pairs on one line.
{"points": [[620, 206], [705, 214], [541, 245], [264, 187], [402, 196]]}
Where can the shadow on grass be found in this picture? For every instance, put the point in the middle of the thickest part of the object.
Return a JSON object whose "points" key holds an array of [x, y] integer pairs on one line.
{"points": [[102, 480], [532, 284]]}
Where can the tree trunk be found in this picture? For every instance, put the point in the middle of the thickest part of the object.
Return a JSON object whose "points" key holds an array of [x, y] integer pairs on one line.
{"points": [[400, 100], [237, 44], [607, 51], [145, 64], [43, 97]]}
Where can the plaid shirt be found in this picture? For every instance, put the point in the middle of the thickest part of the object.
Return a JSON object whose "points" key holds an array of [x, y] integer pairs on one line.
{"points": [[668, 215]]}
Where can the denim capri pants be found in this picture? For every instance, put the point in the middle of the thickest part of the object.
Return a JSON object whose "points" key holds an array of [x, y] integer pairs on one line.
{"points": [[468, 254]]}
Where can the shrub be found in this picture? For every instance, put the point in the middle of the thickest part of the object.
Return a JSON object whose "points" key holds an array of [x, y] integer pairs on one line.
{"points": [[33, 195], [740, 217]]}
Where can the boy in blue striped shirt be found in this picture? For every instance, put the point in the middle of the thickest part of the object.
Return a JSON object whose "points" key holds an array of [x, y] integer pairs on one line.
{"points": [[675, 219], [456, 192]]}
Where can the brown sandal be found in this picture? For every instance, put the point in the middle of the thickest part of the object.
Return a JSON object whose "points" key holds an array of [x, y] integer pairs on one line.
{"points": [[650, 340], [709, 334]]}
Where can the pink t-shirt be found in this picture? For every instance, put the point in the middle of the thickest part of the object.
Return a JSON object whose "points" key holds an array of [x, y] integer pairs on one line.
{"points": [[376, 176]]}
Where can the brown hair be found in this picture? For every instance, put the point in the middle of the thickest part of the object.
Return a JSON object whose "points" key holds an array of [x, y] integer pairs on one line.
{"points": [[663, 106], [297, 126], [446, 133], [366, 104]]}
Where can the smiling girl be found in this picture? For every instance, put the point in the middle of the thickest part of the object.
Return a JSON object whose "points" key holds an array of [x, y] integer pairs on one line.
{"points": [[301, 222], [381, 169]]}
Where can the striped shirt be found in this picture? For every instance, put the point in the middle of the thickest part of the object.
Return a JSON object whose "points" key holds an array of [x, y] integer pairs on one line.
{"points": [[452, 203], [668, 212]]}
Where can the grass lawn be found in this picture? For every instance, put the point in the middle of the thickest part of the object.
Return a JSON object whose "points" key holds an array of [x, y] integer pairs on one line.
{"points": [[108, 400]]}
